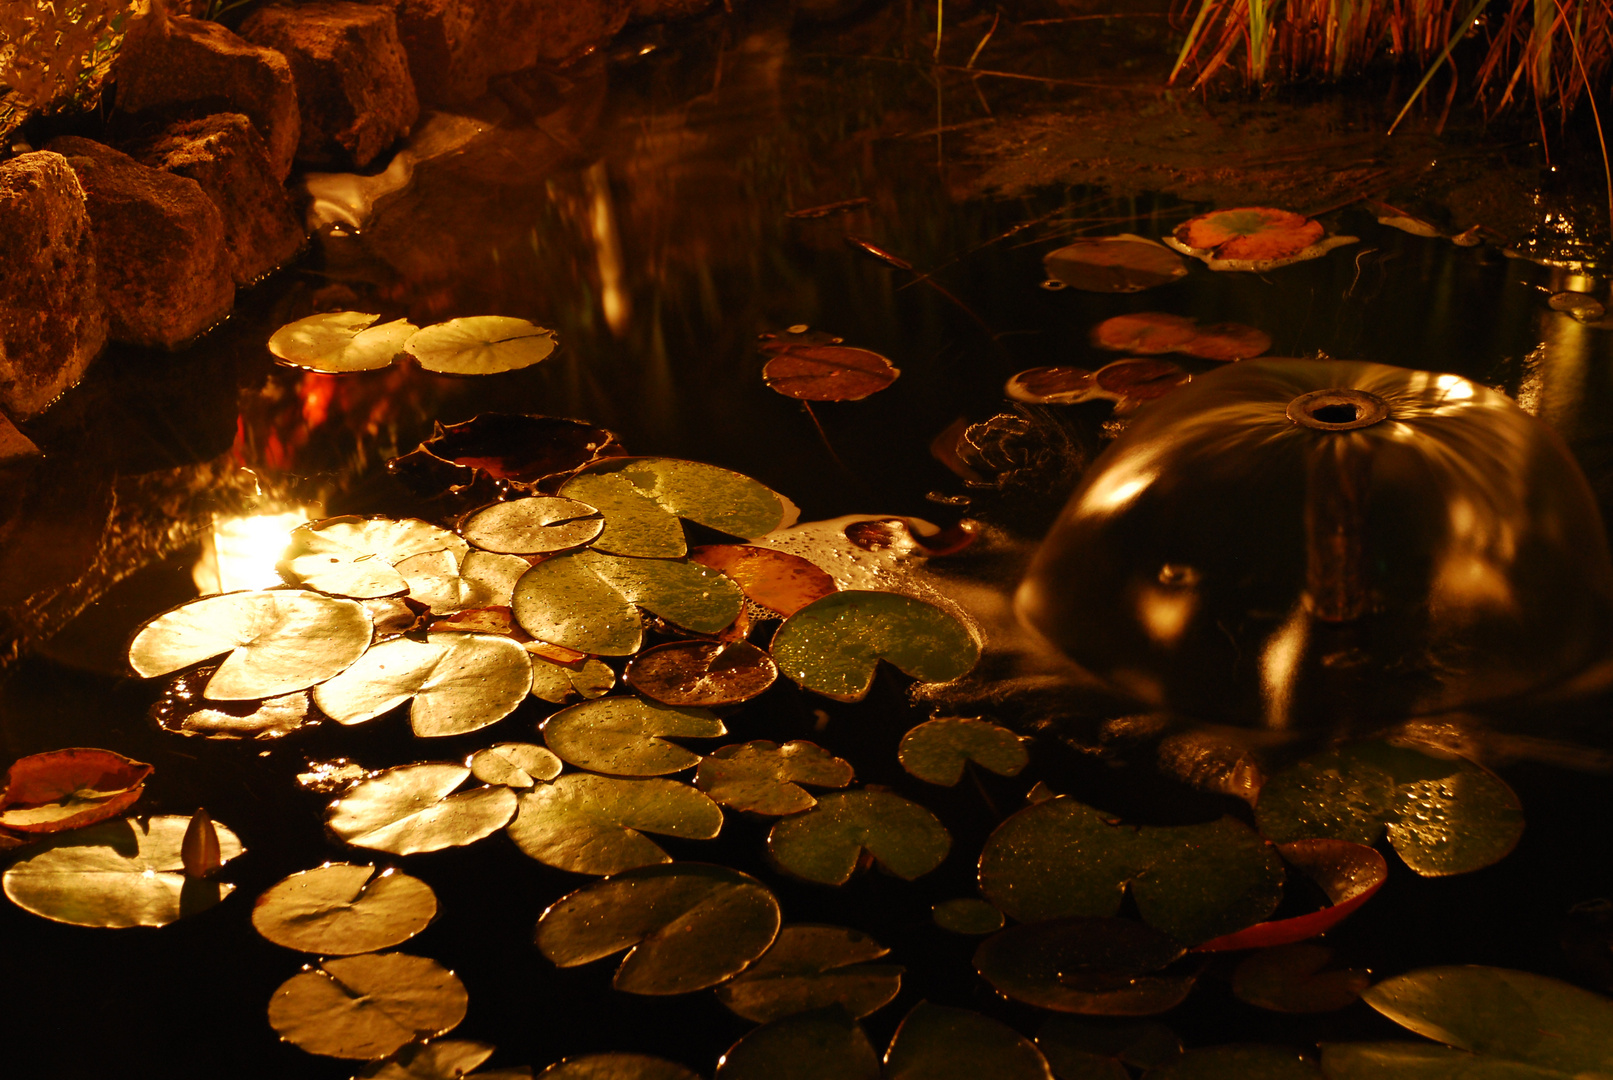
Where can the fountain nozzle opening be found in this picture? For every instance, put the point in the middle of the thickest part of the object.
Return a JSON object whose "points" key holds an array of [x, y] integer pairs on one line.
{"points": [[1337, 410]]}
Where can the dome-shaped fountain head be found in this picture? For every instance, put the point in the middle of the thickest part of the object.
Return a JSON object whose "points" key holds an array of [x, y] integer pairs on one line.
{"points": [[1293, 543]]}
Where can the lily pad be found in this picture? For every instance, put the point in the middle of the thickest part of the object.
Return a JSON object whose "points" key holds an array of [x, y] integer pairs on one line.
{"points": [[515, 765], [454, 683], [619, 736], [440, 1059], [1239, 1061], [412, 808], [807, 1046], [595, 824], [558, 683], [1087, 1050], [1127, 383], [686, 926], [833, 645], [762, 777], [1151, 332], [617, 1067], [510, 449], [447, 582], [826, 843], [701, 673], [967, 915], [1292, 979], [776, 580], [340, 341], [939, 1043], [69, 789], [1348, 873], [182, 709], [1249, 232], [539, 525], [1443, 815], [1115, 264], [936, 751], [339, 909], [480, 345], [1051, 386], [358, 557], [278, 641], [118, 873], [1098, 966], [363, 1008], [812, 967], [634, 486], [1583, 307], [1060, 858], [828, 372]]}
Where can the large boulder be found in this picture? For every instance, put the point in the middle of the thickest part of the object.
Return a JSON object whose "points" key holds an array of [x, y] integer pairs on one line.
{"points": [[188, 68], [52, 318], [353, 83], [159, 246], [228, 158]]}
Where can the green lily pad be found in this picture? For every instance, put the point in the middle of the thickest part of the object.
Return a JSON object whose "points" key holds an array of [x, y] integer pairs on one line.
{"points": [[1060, 858], [1244, 1061], [365, 1007], [357, 557], [619, 736], [279, 641], [413, 808], [1291, 979], [595, 824], [339, 909], [451, 581], [939, 1043], [69, 789], [686, 926], [557, 683], [967, 915], [340, 341], [454, 683], [440, 1059], [937, 750], [826, 843], [1087, 1050], [642, 498], [701, 673], [480, 345], [515, 765], [118, 873], [807, 1046], [812, 967], [589, 602], [762, 777], [833, 645], [540, 525], [617, 1067], [1096, 966], [1443, 815]]}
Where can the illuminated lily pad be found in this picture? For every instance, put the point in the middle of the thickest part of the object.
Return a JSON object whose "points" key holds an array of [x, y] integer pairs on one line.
{"points": [[515, 765], [833, 645], [1292, 979], [627, 490], [454, 683], [939, 1043], [1246, 1061], [967, 915], [119, 873], [617, 1067], [440, 1059], [686, 926], [340, 909], [812, 967], [480, 345], [619, 736], [1095, 966], [828, 372], [182, 709], [340, 341], [1348, 873], [413, 808], [701, 673], [1061, 858], [1051, 386], [358, 557], [558, 683], [539, 525], [1115, 264], [762, 777], [1583, 307], [449, 581], [806, 1046], [278, 641], [1249, 232], [936, 751], [69, 789], [1443, 815], [826, 843], [595, 824], [365, 1007], [775, 580]]}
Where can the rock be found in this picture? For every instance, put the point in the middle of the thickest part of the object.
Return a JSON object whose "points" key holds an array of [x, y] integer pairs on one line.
{"points": [[52, 318], [14, 445], [228, 158], [190, 68], [159, 246], [353, 83]]}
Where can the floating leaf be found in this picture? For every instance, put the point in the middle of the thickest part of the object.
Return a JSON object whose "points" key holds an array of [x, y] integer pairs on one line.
{"points": [[1290, 979], [1051, 386], [701, 673], [619, 736], [539, 525], [617, 1067], [937, 750], [761, 777], [182, 709], [118, 873], [480, 345], [513, 764], [1396, 218], [68, 789], [807, 1046], [967, 915], [456, 581], [687, 926], [518, 451], [557, 683], [828, 372], [1348, 873], [705, 494], [1127, 383], [776, 580], [1251, 1061], [595, 824], [1583, 307], [365, 1007], [358, 557], [1443, 815], [409, 808], [833, 645], [1152, 332], [938, 1043], [339, 909], [279, 641], [1249, 232], [1115, 264], [1098, 966], [812, 967], [340, 341], [826, 843], [440, 1059], [1084, 1050], [1195, 882], [454, 683]]}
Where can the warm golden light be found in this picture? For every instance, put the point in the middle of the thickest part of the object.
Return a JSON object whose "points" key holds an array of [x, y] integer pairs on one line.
{"points": [[240, 550]]}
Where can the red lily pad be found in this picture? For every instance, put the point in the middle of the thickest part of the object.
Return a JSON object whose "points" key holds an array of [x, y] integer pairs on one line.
{"points": [[68, 789], [1348, 873], [701, 673], [1250, 232], [1153, 332], [1051, 386], [775, 580], [828, 372], [1139, 380]]}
